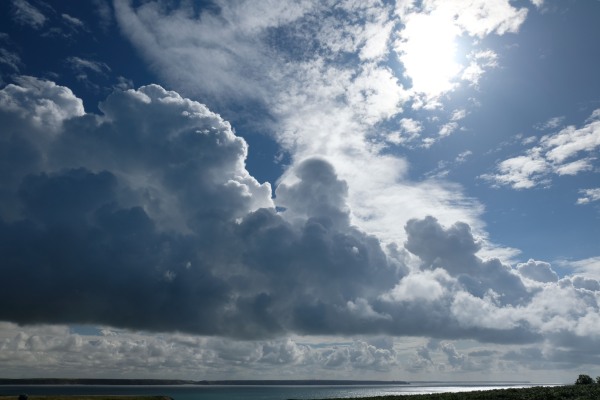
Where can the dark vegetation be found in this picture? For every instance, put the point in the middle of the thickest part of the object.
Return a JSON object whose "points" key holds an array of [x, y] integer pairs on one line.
{"points": [[84, 397], [586, 380], [583, 389]]}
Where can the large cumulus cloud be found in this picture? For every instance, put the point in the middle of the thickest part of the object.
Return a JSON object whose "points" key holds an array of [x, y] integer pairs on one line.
{"points": [[145, 217]]}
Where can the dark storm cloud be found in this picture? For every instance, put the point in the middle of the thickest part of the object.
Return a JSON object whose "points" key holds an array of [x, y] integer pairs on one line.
{"points": [[145, 217], [454, 250]]}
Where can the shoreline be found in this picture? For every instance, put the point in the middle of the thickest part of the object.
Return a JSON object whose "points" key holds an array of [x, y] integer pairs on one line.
{"points": [[566, 392], [169, 382]]}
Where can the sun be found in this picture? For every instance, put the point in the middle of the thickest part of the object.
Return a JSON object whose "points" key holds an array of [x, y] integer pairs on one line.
{"points": [[428, 48]]}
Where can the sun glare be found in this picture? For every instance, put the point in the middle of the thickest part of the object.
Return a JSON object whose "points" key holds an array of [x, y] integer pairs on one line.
{"points": [[427, 48]]}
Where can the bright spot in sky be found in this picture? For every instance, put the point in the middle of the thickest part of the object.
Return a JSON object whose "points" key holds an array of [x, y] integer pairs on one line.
{"points": [[428, 50]]}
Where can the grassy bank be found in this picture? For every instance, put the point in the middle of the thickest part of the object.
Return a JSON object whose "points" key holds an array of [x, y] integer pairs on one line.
{"points": [[573, 392]]}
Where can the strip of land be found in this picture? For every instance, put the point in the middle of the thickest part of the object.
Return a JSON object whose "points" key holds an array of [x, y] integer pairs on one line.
{"points": [[262, 382], [572, 392]]}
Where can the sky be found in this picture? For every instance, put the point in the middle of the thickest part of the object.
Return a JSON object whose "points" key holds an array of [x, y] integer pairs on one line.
{"points": [[345, 189]]}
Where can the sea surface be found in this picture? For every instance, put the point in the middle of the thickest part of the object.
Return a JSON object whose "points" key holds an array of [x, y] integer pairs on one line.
{"points": [[266, 392]]}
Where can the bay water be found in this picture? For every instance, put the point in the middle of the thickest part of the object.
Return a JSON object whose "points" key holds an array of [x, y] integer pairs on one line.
{"points": [[254, 392]]}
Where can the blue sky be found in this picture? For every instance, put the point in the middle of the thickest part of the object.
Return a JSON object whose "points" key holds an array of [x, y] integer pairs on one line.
{"points": [[398, 190]]}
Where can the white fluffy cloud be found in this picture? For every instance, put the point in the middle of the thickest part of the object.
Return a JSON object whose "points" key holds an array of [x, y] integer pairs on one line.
{"points": [[538, 271], [38, 102], [567, 152]]}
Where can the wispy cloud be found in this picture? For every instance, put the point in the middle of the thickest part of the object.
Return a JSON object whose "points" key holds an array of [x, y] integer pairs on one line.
{"points": [[27, 14], [10, 59], [567, 152], [321, 70], [589, 268], [552, 123], [479, 62], [588, 196], [73, 21]]}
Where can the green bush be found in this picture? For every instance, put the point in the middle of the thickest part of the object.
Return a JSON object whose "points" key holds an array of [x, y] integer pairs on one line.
{"points": [[584, 380]]}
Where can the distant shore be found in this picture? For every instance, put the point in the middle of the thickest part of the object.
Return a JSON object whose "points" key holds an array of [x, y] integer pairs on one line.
{"points": [[149, 382]]}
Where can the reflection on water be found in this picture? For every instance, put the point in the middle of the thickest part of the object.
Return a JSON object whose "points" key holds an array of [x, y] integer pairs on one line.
{"points": [[270, 392]]}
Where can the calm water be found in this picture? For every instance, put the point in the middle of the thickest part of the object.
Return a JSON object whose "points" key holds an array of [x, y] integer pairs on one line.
{"points": [[193, 392]]}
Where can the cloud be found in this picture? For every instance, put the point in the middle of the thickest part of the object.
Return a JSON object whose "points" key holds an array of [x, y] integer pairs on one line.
{"points": [[555, 154], [226, 51], [537, 3], [422, 286], [589, 195], [448, 129], [127, 176], [149, 206], [410, 130], [144, 217], [83, 68], [27, 14], [112, 351], [73, 21], [105, 14], [537, 270], [82, 65], [480, 18], [153, 195], [521, 172], [455, 359], [411, 126], [462, 157], [40, 103], [33, 113], [454, 249], [479, 62], [589, 267], [10, 59], [552, 123], [318, 194], [318, 79]]}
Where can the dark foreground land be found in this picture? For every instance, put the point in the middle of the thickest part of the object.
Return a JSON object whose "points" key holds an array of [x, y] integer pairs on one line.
{"points": [[99, 397], [573, 392]]}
